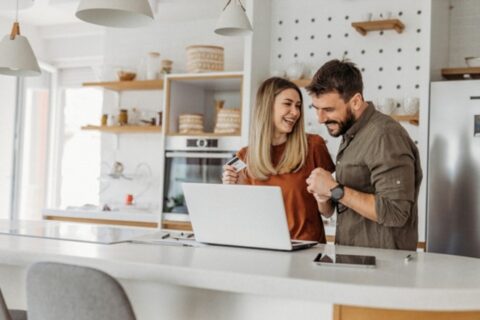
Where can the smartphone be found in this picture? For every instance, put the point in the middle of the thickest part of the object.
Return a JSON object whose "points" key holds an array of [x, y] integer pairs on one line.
{"points": [[237, 164], [347, 260]]}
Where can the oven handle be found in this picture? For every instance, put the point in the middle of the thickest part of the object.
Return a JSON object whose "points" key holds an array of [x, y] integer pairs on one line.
{"points": [[199, 155]]}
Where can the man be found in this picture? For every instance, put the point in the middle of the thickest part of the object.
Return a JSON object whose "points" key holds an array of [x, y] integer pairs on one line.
{"points": [[378, 170]]}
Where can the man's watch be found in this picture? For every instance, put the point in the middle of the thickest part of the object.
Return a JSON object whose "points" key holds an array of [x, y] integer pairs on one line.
{"points": [[337, 192]]}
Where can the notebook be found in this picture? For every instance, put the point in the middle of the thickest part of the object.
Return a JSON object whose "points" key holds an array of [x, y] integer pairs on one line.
{"points": [[240, 215]]}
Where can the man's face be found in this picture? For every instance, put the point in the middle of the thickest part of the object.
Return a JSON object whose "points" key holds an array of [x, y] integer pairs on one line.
{"points": [[336, 114]]}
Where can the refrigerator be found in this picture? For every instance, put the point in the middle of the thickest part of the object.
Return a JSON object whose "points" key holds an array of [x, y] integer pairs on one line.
{"points": [[453, 186]]}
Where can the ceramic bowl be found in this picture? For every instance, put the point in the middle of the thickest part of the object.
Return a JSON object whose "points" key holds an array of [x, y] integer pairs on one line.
{"points": [[126, 75], [472, 61]]}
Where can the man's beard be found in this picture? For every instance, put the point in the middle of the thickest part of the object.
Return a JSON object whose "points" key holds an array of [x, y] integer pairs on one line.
{"points": [[343, 126]]}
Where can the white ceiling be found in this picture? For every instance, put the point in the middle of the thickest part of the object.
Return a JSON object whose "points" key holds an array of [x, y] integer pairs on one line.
{"points": [[45, 12], [57, 12]]}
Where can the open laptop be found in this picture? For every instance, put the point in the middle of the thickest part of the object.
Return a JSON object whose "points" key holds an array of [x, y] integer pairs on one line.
{"points": [[240, 215]]}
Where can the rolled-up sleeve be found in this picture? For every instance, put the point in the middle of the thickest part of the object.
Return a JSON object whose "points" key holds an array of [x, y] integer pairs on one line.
{"points": [[392, 167]]}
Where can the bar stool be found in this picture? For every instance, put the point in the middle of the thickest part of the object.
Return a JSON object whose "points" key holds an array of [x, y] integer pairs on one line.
{"points": [[6, 314], [57, 291]]}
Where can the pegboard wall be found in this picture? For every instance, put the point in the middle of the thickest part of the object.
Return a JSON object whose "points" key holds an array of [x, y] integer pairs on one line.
{"points": [[313, 32]]}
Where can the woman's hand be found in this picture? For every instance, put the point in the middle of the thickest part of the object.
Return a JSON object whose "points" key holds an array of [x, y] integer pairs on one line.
{"points": [[230, 175]]}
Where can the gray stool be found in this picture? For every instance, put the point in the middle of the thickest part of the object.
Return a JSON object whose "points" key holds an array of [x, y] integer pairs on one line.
{"points": [[57, 291], [6, 314]]}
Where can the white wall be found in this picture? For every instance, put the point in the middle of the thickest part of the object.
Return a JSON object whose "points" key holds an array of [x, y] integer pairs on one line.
{"points": [[128, 48], [393, 65], [464, 31]]}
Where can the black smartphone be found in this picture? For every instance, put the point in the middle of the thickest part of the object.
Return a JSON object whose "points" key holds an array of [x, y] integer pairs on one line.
{"points": [[348, 260]]}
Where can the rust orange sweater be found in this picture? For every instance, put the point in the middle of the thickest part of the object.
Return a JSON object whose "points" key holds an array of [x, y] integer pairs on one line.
{"points": [[304, 221]]}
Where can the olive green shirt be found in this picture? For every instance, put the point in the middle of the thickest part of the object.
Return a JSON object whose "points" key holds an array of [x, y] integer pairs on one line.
{"points": [[378, 157]]}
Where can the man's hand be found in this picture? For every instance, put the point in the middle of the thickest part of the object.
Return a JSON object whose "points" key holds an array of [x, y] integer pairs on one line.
{"points": [[320, 182]]}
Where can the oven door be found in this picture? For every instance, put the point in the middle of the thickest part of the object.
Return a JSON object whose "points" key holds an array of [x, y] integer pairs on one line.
{"points": [[185, 166]]}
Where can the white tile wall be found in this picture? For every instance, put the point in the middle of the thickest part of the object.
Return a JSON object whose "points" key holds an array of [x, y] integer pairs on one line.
{"points": [[464, 38]]}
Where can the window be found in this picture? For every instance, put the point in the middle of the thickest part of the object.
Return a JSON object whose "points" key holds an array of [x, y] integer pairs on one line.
{"points": [[79, 172]]}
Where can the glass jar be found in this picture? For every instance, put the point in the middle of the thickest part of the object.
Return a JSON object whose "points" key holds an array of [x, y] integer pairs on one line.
{"points": [[153, 65], [123, 117]]}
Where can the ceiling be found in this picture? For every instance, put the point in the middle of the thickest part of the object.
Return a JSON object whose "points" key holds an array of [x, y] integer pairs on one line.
{"points": [[56, 12], [44, 12]]}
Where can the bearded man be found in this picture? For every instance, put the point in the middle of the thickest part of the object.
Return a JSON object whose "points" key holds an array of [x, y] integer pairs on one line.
{"points": [[378, 171]]}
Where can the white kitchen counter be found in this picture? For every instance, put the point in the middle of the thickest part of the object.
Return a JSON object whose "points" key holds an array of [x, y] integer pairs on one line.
{"points": [[137, 216], [142, 217], [224, 274]]}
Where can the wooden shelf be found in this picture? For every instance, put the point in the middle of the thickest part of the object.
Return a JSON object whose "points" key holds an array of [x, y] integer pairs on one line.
{"points": [[124, 129], [302, 83], [204, 134], [461, 73], [128, 85], [365, 26], [412, 119], [177, 225]]}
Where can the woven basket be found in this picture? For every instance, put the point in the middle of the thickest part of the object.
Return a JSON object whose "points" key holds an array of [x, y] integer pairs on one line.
{"points": [[190, 123], [204, 58], [228, 121]]}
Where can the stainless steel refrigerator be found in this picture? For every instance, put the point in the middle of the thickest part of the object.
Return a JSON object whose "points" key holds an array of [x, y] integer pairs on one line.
{"points": [[453, 198]]}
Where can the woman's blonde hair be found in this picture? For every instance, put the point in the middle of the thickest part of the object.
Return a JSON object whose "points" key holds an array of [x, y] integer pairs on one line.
{"points": [[258, 157]]}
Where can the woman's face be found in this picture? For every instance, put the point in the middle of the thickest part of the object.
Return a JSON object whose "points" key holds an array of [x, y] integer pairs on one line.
{"points": [[286, 111]]}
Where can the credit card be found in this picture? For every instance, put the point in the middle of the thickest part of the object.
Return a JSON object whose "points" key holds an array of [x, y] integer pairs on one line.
{"points": [[237, 164]]}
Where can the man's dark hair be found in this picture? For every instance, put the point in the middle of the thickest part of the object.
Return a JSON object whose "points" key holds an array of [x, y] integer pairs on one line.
{"points": [[338, 76]]}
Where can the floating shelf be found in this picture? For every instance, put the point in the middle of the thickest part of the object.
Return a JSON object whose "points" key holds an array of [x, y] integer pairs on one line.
{"points": [[205, 134], [412, 119], [124, 129], [461, 73], [365, 26], [128, 85], [302, 83]]}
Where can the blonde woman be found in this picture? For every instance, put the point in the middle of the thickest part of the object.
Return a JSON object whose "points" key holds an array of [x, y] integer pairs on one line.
{"points": [[279, 153]]}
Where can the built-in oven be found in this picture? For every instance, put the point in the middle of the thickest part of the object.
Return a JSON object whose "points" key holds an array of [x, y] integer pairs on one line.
{"points": [[192, 159]]}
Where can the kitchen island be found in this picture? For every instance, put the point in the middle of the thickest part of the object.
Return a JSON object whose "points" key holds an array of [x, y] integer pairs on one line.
{"points": [[213, 282]]}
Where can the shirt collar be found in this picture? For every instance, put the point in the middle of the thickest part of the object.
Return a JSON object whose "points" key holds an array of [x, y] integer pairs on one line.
{"points": [[360, 122]]}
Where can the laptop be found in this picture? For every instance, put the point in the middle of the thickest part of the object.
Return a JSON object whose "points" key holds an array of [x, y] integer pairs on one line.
{"points": [[240, 215]]}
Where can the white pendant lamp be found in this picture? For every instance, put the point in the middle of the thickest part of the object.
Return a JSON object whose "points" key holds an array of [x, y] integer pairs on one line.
{"points": [[233, 20], [115, 13], [16, 54]]}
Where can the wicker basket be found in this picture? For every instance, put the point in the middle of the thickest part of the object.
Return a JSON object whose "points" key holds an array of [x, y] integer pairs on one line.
{"points": [[204, 58], [190, 123], [228, 121]]}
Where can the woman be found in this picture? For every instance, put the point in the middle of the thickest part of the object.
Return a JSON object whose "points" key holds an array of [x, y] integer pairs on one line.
{"points": [[279, 153]]}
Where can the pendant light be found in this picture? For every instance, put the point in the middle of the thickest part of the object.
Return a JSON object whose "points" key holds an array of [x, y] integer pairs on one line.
{"points": [[115, 13], [16, 54], [233, 20]]}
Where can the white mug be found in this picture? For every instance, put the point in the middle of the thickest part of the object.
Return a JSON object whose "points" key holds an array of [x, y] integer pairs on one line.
{"points": [[367, 16], [295, 71], [277, 73], [411, 105], [387, 105], [386, 15]]}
